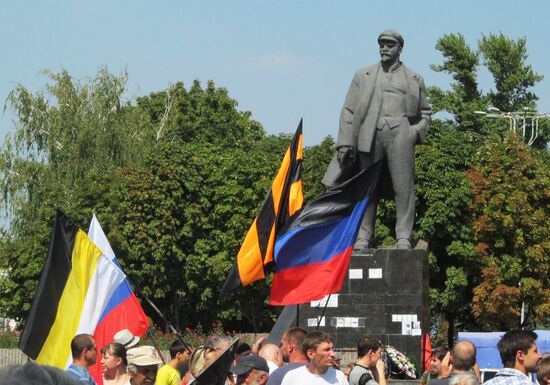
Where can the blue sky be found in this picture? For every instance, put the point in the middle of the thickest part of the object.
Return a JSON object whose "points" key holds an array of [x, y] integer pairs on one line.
{"points": [[282, 60]]}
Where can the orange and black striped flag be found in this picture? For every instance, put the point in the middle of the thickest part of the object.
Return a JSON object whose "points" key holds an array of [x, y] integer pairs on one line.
{"points": [[284, 200]]}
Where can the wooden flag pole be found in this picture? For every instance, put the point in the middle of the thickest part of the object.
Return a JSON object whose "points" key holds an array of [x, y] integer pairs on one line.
{"points": [[174, 331], [155, 343]]}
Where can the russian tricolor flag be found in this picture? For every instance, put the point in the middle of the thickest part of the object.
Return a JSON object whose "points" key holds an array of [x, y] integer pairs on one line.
{"points": [[123, 310], [313, 254]]}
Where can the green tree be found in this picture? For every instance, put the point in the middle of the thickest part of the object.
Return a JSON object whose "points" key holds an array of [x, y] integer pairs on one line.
{"points": [[513, 77], [459, 272], [505, 59], [511, 222], [181, 220], [66, 142], [175, 181], [315, 163], [464, 97], [444, 196], [206, 115]]}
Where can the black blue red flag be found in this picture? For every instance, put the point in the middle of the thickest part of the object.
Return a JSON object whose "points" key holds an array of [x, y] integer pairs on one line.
{"points": [[312, 254]]}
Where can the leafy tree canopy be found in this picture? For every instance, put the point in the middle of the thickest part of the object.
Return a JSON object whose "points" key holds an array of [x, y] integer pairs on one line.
{"points": [[481, 190], [175, 178], [511, 223], [200, 115], [66, 142]]}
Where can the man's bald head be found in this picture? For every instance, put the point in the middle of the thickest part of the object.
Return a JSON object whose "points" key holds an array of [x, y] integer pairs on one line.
{"points": [[464, 356], [272, 352]]}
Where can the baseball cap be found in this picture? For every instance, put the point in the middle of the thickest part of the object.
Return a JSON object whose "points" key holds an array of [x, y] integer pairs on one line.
{"points": [[248, 363]]}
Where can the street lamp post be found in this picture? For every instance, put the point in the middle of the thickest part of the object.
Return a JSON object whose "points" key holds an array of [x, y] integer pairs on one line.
{"points": [[526, 120]]}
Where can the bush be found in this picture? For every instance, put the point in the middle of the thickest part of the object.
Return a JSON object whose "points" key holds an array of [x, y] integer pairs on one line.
{"points": [[192, 337], [9, 339]]}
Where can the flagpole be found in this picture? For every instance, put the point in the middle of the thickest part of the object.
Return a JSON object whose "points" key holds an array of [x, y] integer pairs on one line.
{"points": [[174, 331], [155, 344], [322, 313]]}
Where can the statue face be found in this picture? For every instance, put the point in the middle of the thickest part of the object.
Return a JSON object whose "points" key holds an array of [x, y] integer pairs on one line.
{"points": [[389, 51]]}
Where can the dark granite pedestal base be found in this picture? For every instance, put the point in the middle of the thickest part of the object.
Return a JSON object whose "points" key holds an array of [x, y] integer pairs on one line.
{"points": [[385, 294]]}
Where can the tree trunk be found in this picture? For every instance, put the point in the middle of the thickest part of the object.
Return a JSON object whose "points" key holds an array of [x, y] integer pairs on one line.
{"points": [[450, 331]]}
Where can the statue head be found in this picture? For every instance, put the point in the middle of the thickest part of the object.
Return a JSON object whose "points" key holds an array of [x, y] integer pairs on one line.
{"points": [[391, 43]]}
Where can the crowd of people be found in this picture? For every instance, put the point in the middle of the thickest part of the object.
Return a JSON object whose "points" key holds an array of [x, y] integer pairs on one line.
{"points": [[302, 358], [518, 352]]}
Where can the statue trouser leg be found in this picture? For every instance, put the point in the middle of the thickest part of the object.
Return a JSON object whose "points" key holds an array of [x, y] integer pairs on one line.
{"points": [[365, 236], [400, 154]]}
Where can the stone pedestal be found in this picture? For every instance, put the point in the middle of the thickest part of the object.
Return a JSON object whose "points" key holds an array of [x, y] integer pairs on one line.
{"points": [[385, 294]]}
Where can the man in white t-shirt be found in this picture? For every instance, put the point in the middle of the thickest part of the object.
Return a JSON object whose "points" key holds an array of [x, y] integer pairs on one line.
{"points": [[319, 370]]}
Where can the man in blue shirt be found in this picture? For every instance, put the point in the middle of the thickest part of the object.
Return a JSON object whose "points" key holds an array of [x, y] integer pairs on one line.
{"points": [[292, 349], [84, 352]]}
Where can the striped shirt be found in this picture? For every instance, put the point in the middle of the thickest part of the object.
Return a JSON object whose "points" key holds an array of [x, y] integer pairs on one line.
{"points": [[509, 376]]}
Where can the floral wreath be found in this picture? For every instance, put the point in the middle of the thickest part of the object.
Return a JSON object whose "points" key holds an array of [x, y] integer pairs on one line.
{"points": [[401, 361]]}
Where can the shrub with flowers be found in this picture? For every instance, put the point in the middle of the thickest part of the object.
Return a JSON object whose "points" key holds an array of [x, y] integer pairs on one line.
{"points": [[400, 364], [9, 339], [192, 337]]}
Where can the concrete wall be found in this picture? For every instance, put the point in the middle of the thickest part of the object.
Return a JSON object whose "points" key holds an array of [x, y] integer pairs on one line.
{"points": [[12, 357]]}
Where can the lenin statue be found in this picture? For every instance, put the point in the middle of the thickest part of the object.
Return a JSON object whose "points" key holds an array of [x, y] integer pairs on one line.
{"points": [[384, 116]]}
